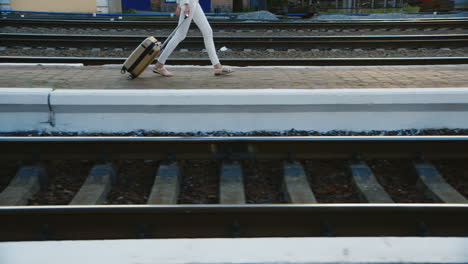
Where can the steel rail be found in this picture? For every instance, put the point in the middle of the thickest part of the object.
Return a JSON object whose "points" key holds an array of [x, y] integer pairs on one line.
{"points": [[57, 40], [237, 148], [220, 221], [252, 61], [217, 25]]}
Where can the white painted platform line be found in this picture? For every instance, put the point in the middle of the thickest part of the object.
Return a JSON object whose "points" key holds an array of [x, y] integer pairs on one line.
{"points": [[241, 250], [119, 111]]}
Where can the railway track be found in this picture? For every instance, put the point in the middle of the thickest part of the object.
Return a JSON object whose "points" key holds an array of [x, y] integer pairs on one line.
{"points": [[308, 42], [309, 213], [87, 61], [244, 25]]}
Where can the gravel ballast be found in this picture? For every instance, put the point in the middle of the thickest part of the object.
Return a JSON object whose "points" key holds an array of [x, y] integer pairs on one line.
{"points": [[330, 181], [262, 181], [8, 170], [133, 182], [200, 182], [223, 133], [64, 181], [455, 172], [235, 32], [399, 180], [252, 53]]}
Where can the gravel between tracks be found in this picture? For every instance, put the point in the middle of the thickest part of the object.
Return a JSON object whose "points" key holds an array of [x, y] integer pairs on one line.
{"points": [[399, 180], [292, 132], [455, 172], [296, 53], [246, 32], [8, 170], [134, 181], [262, 180], [65, 179], [330, 181], [200, 183]]}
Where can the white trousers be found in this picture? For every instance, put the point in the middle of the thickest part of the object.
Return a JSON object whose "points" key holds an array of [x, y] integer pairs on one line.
{"points": [[197, 15]]}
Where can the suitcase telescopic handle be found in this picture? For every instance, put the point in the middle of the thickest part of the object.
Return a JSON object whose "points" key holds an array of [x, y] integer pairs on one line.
{"points": [[173, 32]]}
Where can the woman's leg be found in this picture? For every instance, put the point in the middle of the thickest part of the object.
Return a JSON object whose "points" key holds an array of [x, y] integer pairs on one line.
{"points": [[178, 36], [200, 19]]}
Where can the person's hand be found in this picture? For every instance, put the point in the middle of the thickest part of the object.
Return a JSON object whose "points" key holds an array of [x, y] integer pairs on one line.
{"points": [[177, 11], [187, 10]]}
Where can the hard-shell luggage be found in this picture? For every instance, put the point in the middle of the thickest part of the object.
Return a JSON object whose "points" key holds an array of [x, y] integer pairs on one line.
{"points": [[144, 54], [141, 57]]}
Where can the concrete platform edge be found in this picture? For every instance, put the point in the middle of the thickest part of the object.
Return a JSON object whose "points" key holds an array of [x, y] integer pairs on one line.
{"points": [[242, 250], [243, 110]]}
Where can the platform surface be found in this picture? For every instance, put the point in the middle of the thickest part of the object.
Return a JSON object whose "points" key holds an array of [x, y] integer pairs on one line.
{"points": [[109, 77]]}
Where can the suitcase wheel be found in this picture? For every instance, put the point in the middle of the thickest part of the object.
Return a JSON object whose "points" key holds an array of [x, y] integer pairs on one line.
{"points": [[123, 71], [131, 77]]}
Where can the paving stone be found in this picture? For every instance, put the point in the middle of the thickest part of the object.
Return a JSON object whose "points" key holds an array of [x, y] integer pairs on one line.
{"points": [[99, 77]]}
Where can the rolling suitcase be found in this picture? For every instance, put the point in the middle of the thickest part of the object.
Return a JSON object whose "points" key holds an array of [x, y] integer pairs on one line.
{"points": [[144, 55], [141, 57]]}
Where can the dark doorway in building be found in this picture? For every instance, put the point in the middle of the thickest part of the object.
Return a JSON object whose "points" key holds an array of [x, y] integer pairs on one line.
{"points": [[238, 6], [206, 5]]}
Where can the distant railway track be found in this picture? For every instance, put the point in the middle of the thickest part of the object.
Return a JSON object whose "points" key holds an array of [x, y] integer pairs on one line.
{"points": [[163, 218], [280, 42], [244, 25], [253, 61]]}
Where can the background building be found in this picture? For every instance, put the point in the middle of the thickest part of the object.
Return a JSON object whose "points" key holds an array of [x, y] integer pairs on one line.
{"points": [[75, 6]]}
